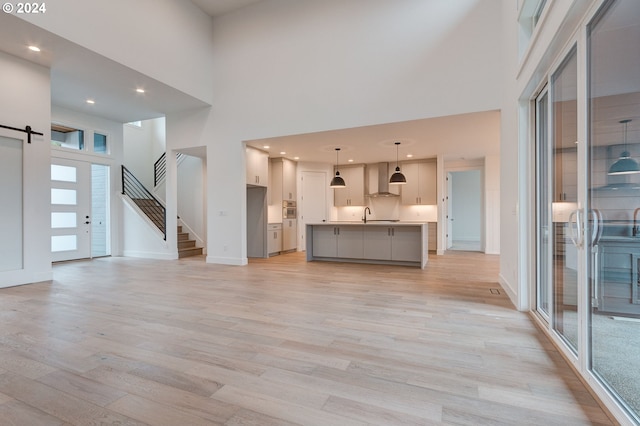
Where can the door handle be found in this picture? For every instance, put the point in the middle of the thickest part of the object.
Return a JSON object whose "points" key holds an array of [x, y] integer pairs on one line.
{"points": [[575, 233]]}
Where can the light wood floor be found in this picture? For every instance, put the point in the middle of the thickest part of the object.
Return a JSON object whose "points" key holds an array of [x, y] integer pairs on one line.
{"points": [[279, 342]]}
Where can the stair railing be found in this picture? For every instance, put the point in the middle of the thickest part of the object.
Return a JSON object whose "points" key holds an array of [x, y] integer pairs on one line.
{"points": [[135, 190], [160, 168]]}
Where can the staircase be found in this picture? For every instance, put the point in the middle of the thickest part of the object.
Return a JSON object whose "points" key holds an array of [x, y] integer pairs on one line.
{"points": [[186, 247]]}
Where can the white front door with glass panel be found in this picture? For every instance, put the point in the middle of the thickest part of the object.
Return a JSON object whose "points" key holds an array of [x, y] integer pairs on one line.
{"points": [[70, 209]]}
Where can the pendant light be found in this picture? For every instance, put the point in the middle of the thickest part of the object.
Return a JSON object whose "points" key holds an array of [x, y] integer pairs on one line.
{"points": [[397, 178], [337, 181], [625, 165]]}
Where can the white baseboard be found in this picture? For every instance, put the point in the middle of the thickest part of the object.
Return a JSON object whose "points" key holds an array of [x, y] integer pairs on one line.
{"points": [[228, 260], [512, 296], [150, 255]]}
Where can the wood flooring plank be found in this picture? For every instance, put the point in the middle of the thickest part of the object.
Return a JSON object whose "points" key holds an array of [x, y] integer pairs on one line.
{"points": [[280, 341], [16, 413], [300, 395], [158, 393], [58, 404], [373, 414], [153, 413], [15, 363], [281, 409], [251, 418], [81, 387]]}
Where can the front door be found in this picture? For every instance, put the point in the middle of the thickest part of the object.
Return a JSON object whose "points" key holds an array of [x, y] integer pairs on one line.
{"points": [[70, 209]]}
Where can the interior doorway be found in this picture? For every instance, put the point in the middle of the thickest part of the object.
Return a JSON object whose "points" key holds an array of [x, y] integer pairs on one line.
{"points": [[464, 210]]}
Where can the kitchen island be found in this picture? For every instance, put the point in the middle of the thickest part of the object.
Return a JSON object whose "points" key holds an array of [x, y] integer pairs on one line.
{"points": [[380, 242]]}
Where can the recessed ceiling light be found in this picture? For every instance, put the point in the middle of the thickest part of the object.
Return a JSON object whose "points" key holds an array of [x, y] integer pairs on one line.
{"points": [[282, 153], [139, 90], [350, 160], [409, 155], [266, 147], [91, 101], [34, 48], [296, 158]]}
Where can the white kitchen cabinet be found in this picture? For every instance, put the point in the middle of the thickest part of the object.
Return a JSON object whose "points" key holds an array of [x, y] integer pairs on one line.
{"points": [[289, 235], [257, 167], [338, 241], [421, 183], [282, 181], [289, 183], [398, 243], [353, 193], [274, 238]]}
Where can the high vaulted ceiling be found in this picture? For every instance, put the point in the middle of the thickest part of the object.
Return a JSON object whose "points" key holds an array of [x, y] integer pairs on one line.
{"points": [[78, 74]]}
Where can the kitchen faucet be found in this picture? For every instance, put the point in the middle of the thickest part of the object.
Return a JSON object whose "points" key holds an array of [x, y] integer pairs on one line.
{"points": [[364, 214], [635, 231]]}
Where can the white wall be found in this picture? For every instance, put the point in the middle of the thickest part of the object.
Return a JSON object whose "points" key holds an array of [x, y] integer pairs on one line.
{"points": [[510, 161], [142, 147], [492, 204], [26, 100], [160, 38], [289, 67]]}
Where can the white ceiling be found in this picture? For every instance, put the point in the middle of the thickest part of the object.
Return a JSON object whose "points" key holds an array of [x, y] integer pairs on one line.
{"points": [[220, 7], [78, 74], [455, 137]]}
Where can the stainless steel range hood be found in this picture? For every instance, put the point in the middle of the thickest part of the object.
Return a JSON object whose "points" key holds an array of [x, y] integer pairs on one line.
{"points": [[379, 181]]}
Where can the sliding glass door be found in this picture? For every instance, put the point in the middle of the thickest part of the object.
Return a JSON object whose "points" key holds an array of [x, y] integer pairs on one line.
{"points": [[587, 195], [556, 201], [614, 199]]}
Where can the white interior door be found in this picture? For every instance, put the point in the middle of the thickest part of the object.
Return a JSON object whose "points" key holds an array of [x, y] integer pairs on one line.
{"points": [[70, 209], [313, 207]]}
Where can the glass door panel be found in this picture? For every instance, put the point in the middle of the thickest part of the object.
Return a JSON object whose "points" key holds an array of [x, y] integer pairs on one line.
{"points": [[100, 241], [564, 214], [614, 199], [544, 225], [70, 210]]}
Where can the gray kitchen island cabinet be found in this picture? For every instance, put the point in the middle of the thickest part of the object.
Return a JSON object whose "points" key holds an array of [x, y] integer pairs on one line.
{"points": [[338, 241], [401, 243]]}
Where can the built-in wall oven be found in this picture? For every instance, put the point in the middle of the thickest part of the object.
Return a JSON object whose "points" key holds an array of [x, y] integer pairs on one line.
{"points": [[289, 210]]}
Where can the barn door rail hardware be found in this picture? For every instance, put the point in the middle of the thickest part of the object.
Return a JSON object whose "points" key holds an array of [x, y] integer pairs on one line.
{"points": [[26, 130]]}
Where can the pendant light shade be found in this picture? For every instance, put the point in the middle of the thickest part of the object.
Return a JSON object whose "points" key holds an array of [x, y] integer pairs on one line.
{"points": [[397, 178], [337, 181], [625, 165]]}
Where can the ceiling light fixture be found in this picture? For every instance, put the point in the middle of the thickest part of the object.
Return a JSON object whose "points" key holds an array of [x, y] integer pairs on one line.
{"points": [[337, 181], [625, 165], [139, 90], [397, 178], [34, 48], [91, 101]]}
